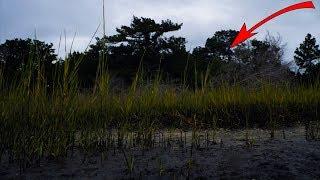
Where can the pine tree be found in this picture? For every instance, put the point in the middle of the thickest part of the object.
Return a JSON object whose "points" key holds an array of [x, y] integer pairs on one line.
{"points": [[307, 53]]}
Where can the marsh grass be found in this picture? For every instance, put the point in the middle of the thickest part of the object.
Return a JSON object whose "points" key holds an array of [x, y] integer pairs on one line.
{"points": [[129, 159], [37, 124]]}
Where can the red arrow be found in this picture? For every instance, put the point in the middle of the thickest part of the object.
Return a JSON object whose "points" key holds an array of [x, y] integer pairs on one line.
{"points": [[245, 34]]}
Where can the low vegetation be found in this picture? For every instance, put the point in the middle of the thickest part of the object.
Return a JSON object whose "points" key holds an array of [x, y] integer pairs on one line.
{"points": [[45, 114]]}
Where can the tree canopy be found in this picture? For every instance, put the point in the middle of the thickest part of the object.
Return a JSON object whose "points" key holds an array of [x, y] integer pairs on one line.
{"points": [[307, 52], [307, 57], [16, 54], [147, 43]]}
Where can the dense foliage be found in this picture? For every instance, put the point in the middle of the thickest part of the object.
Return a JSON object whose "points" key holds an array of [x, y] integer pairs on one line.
{"points": [[146, 43], [307, 57]]}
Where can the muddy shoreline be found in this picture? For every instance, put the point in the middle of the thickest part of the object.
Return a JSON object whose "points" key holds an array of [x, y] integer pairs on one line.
{"points": [[243, 154]]}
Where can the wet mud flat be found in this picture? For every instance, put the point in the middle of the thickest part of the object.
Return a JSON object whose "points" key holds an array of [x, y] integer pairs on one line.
{"points": [[243, 154]]}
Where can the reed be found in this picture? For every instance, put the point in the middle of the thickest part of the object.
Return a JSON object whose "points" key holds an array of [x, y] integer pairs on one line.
{"points": [[37, 124]]}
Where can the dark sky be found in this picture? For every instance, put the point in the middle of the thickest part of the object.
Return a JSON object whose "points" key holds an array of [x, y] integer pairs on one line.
{"points": [[201, 18]]}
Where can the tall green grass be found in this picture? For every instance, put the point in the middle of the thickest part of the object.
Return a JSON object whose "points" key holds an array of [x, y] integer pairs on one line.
{"points": [[36, 123]]}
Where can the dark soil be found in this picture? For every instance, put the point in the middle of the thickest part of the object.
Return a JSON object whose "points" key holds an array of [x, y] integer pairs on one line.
{"points": [[232, 155]]}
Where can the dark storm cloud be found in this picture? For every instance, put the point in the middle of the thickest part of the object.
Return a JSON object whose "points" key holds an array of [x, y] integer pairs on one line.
{"points": [[201, 18]]}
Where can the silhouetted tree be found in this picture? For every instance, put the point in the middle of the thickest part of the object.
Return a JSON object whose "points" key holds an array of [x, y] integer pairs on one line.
{"points": [[218, 46], [262, 60], [143, 34], [254, 58], [145, 38], [216, 53], [17, 53], [307, 55], [307, 52], [258, 54]]}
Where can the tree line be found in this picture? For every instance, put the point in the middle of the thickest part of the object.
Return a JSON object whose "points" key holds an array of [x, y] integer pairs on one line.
{"points": [[145, 44]]}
